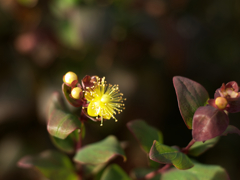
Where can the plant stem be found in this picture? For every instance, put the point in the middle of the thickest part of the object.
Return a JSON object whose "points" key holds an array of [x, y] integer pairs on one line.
{"points": [[154, 173], [78, 147], [186, 149], [79, 142]]}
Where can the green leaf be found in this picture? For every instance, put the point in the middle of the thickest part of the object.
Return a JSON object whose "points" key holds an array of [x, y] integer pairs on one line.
{"points": [[198, 172], [100, 152], [199, 147], [52, 164], [190, 95], [90, 170], [114, 172], [145, 134], [168, 155], [139, 173], [60, 122], [27, 3]]}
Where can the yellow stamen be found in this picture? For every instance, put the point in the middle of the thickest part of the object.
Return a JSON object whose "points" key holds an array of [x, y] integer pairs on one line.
{"points": [[105, 100]]}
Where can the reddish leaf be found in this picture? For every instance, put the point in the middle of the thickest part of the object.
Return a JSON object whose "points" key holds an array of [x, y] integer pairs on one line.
{"points": [[208, 122], [190, 95], [60, 122]]}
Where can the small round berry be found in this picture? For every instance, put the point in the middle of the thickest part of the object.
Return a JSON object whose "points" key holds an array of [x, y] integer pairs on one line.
{"points": [[76, 92], [70, 77], [221, 102]]}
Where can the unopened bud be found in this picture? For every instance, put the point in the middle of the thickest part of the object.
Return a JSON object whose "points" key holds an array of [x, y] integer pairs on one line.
{"points": [[221, 102], [76, 92], [70, 77]]}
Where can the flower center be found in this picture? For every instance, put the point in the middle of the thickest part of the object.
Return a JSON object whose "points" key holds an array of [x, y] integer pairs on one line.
{"points": [[105, 100]]}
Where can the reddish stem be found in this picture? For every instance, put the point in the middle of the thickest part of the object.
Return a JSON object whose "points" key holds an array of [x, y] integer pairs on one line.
{"points": [[154, 173], [78, 147], [186, 149], [79, 142]]}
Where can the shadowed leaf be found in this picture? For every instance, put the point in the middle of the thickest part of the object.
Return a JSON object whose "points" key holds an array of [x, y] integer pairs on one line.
{"points": [[200, 147], [100, 152], [168, 155], [68, 144], [208, 122], [198, 172], [231, 130], [114, 172], [52, 164], [139, 173], [60, 122], [190, 95], [92, 170], [145, 134]]}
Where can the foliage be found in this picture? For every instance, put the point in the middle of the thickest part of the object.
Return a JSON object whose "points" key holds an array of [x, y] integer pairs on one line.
{"points": [[207, 118]]}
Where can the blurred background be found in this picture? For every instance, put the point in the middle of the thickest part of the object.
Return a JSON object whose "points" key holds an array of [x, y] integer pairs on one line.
{"points": [[138, 44]]}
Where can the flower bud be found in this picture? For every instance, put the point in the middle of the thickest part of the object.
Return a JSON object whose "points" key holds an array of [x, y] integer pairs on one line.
{"points": [[70, 77], [76, 92], [221, 102]]}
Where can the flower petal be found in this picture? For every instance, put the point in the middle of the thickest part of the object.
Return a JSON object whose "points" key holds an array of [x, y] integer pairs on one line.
{"points": [[233, 85], [93, 108]]}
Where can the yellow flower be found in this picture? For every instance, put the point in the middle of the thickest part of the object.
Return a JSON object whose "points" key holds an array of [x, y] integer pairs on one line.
{"points": [[105, 100]]}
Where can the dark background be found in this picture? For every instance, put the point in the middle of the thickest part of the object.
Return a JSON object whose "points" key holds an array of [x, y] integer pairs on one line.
{"points": [[138, 44]]}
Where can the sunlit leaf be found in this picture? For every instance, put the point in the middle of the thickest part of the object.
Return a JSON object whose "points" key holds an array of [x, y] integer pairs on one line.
{"points": [[145, 134], [198, 172], [168, 155], [208, 122], [200, 147], [60, 122], [114, 172], [52, 164], [100, 152], [190, 95]]}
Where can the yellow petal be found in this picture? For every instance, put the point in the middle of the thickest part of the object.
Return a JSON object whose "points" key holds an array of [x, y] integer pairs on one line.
{"points": [[88, 96], [105, 114], [93, 108]]}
